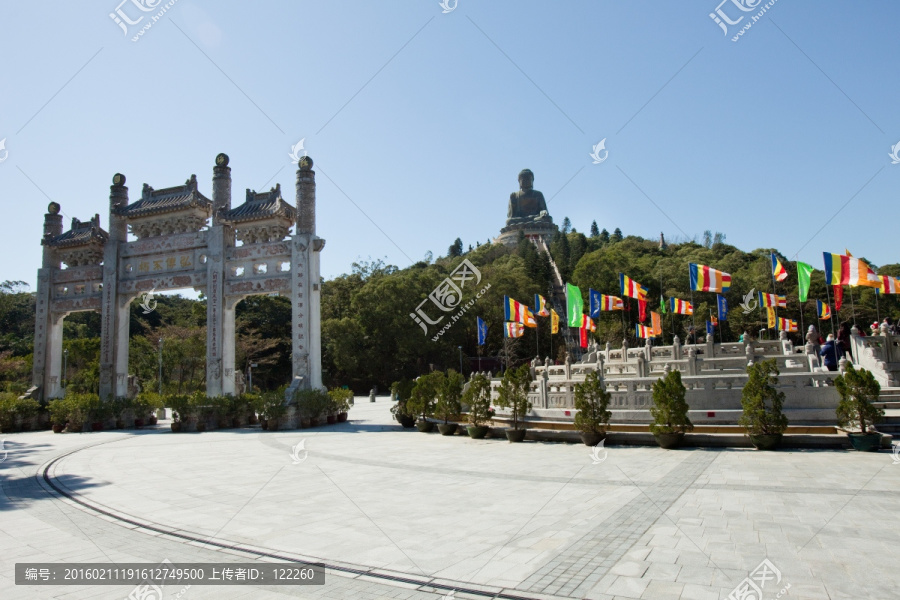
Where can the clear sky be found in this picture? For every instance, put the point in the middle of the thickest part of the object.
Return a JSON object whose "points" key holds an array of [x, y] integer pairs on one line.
{"points": [[419, 121]]}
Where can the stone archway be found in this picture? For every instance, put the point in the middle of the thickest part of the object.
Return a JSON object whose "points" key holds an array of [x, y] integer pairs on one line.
{"points": [[183, 239]]}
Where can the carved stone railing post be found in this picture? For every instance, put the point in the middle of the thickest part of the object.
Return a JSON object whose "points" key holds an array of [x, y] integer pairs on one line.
{"points": [[692, 361], [676, 348]]}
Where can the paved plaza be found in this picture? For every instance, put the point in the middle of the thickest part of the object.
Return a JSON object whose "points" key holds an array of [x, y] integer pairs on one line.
{"points": [[401, 514]]}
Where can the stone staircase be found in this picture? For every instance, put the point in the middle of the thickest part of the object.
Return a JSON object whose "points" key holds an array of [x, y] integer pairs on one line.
{"points": [[558, 299], [890, 402]]}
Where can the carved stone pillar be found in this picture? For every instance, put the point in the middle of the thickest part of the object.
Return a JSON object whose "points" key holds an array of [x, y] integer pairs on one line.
{"points": [[113, 316]]}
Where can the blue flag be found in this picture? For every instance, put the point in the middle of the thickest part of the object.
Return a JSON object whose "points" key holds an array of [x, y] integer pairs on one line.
{"points": [[482, 331], [709, 328], [723, 307], [594, 301]]}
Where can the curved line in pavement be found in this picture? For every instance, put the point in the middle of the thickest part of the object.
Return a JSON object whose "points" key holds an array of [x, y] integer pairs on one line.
{"points": [[407, 578]]}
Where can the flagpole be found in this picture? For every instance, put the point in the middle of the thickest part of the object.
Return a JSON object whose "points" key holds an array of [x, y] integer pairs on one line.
{"points": [[833, 335], [877, 308], [719, 312], [852, 306], [537, 337]]}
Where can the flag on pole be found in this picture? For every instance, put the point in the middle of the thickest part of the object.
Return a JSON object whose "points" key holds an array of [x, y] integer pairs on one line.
{"points": [[789, 325], [554, 322], [772, 300], [710, 328], [770, 323], [540, 306], [707, 279], [482, 331], [841, 269], [574, 305], [656, 320], [643, 331], [583, 337], [662, 304], [838, 297], [529, 321], [889, 285], [823, 310], [514, 311], [588, 323], [601, 302], [778, 270], [513, 330], [642, 310], [631, 288], [681, 307], [722, 303], [804, 272]]}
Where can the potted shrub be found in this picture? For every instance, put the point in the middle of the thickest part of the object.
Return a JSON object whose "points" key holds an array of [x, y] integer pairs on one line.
{"points": [[78, 407], [183, 416], [478, 397], [59, 413], [669, 411], [858, 390], [271, 409], [312, 405], [401, 391], [341, 398], [421, 401], [513, 394], [591, 402], [762, 402], [448, 406]]}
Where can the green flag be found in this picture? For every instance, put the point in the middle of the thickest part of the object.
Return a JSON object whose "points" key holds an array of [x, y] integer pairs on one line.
{"points": [[574, 305], [662, 305], [803, 272]]}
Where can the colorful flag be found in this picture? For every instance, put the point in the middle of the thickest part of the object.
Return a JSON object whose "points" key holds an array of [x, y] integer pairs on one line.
{"points": [[529, 321], [707, 279], [482, 331], [554, 322], [771, 317], [841, 269], [513, 330], [662, 304], [710, 328], [681, 307], [823, 310], [574, 305], [787, 325], [601, 302], [838, 297], [540, 306], [631, 288], [715, 320], [772, 300], [643, 331], [514, 311], [588, 323], [642, 310], [583, 337], [889, 285], [804, 272], [778, 271], [722, 302], [656, 321]]}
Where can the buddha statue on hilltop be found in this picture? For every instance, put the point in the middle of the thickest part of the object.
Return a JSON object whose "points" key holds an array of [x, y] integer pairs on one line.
{"points": [[527, 206]]}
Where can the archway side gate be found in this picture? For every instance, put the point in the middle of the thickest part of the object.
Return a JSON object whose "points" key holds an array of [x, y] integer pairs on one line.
{"points": [[177, 247]]}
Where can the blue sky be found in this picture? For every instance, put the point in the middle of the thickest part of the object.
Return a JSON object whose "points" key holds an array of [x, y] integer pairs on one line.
{"points": [[422, 120]]}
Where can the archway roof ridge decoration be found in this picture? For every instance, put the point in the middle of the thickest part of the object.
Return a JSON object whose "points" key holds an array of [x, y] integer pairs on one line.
{"points": [[81, 233], [166, 200], [259, 206]]}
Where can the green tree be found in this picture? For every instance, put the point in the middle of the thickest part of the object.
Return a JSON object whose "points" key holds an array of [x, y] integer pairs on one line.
{"points": [[456, 248], [670, 409], [449, 394], [762, 401], [595, 231], [478, 398], [424, 394], [513, 393], [616, 236], [858, 389], [591, 402]]}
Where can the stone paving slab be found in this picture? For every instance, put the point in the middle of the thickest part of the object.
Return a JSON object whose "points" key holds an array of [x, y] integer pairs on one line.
{"points": [[538, 520]]}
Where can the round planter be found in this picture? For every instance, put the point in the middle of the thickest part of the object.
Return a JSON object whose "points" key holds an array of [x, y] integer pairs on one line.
{"points": [[152, 420], [176, 426], [75, 427], [425, 426], [865, 442], [477, 433], [264, 423], [331, 419], [342, 417], [766, 442], [406, 422], [447, 428], [592, 439], [669, 441], [58, 428], [516, 435]]}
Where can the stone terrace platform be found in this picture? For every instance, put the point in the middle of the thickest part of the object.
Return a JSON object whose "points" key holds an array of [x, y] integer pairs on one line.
{"points": [[401, 514]]}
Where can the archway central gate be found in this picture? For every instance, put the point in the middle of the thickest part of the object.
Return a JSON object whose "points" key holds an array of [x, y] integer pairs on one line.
{"points": [[176, 247]]}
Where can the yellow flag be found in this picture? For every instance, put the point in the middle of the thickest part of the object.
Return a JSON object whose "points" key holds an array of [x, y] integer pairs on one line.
{"points": [[554, 322], [771, 311]]}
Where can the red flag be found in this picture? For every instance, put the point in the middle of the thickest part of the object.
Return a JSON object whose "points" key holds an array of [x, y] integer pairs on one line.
{"points": [[584, 337], [642, 310], [838, 296]]}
